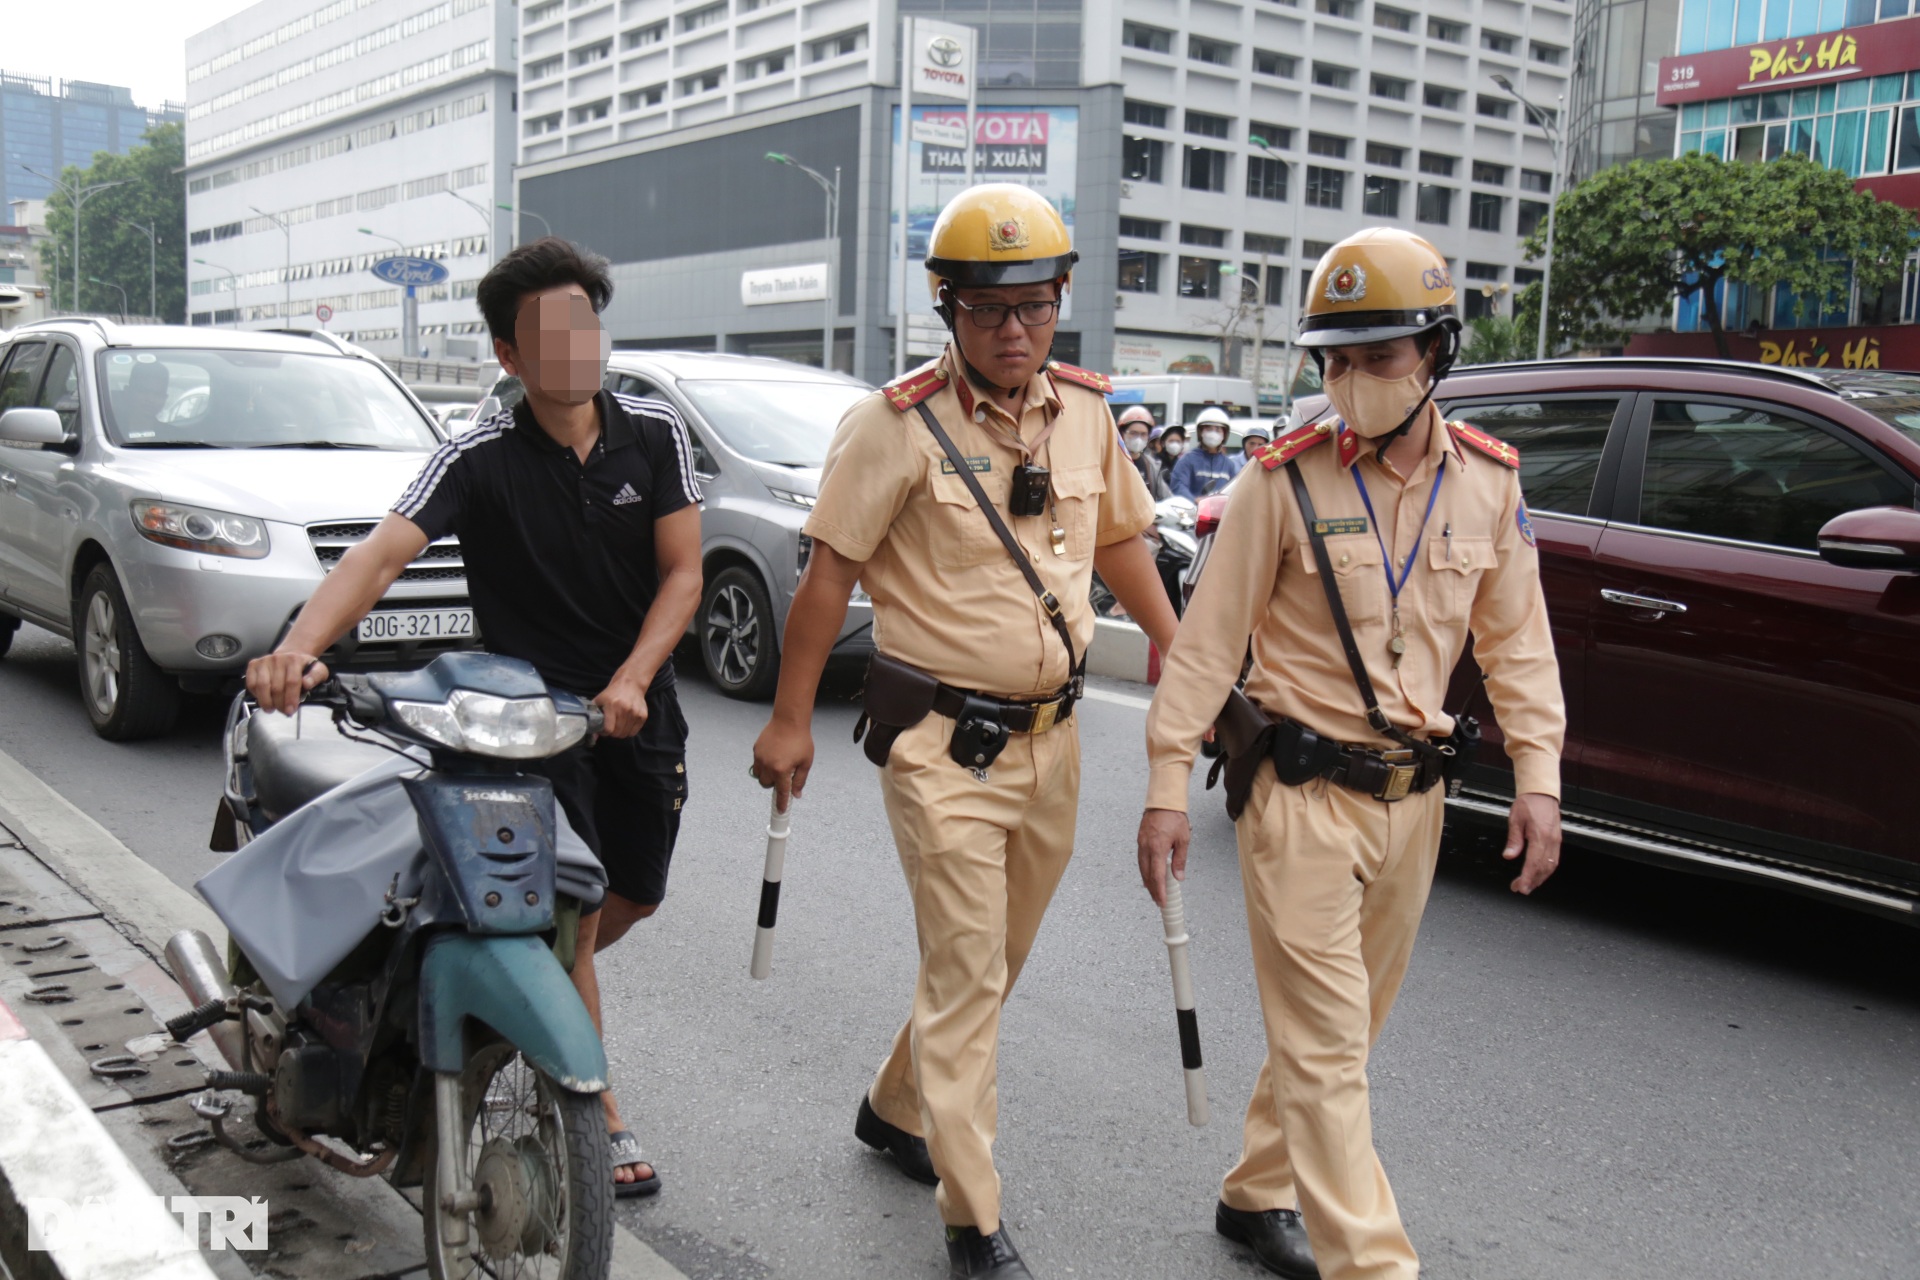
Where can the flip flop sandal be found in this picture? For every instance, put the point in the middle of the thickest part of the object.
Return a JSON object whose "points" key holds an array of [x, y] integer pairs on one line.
{"points": [[625, 1150]]}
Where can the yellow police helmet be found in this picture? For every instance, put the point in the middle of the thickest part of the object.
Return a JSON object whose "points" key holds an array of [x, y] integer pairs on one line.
{"points": [[1378, 284], [999, 233]]}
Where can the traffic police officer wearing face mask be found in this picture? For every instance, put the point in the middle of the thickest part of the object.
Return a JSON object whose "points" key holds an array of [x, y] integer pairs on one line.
{"points": [[969, 700], [1422, 532], [1206, 469]]}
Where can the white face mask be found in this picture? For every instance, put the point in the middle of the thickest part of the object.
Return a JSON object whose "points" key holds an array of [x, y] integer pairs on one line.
{"points": [[1174, 446], [1136, 444], [1212, 439], [1375, 406]]}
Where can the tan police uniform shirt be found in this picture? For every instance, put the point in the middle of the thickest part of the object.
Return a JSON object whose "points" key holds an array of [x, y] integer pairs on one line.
{"points": [[1261, 579], [946, 595]]}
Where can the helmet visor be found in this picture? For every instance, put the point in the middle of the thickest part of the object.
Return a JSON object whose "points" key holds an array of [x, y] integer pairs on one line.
{"points": [[1356, 328], [962, 274]]}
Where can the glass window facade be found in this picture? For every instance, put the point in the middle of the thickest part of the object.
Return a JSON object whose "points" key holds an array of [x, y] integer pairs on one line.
{"points": [[1612, 117], [1724, 24], [1027, 43], [1862, 127]]}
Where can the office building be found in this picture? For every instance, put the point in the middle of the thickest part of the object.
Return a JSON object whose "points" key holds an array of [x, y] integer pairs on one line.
{"points": [[1613, 113], [48, 124], [325, 135], [1838, 81], [1188, 145]]}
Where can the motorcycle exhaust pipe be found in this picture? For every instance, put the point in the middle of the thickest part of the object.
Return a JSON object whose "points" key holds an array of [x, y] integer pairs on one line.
{"points": [[202, 975]]}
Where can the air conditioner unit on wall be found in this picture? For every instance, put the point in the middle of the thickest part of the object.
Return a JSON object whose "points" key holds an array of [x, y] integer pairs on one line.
{"points": [[1119, 301], [1126, 191]]}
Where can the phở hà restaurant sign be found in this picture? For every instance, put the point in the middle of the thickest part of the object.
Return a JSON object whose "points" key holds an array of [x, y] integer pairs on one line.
{"points": [[1795, 62]]}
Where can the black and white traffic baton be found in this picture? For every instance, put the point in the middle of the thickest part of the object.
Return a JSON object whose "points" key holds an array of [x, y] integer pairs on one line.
{"points": [[1173, 916], [778, 824]]}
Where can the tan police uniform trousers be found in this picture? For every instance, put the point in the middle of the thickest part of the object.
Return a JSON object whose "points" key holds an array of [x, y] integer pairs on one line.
{"points": [[1336, 882], [982, 860]]}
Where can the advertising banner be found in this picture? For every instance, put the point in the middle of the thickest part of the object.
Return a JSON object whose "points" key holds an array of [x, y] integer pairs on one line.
{"points": [[1828, 58], [1164, 353], [943, 60], [784, 284], [1038, 147]]}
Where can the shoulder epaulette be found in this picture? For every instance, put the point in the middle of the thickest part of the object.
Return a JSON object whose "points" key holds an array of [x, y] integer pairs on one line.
{"points": [[1498, 450], [910, 388], [1294, 443], [1081, 377]]}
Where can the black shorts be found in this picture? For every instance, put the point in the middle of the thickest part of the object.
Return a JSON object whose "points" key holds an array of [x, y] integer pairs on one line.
{"points": [[624, 796]]}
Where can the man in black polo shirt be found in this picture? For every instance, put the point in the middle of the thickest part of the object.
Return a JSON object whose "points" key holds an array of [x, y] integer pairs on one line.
{"points": [[579, 523]]}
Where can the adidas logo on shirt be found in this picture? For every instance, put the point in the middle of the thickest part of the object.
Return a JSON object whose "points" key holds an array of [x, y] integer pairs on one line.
{"points": [[625, 496]]}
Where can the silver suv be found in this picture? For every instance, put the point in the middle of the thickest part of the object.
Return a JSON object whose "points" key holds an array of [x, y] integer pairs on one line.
{"points": [[760, 430], [170, 497]]}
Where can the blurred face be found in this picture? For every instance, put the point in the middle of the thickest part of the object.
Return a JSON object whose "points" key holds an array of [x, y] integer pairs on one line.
{"points": [[1389, 360], [1252, 444], [146, 393], [1009, 353], [1212, 436], [1174, 443], [559, 350]]}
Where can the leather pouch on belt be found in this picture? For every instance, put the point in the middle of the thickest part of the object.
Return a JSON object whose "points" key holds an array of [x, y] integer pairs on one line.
{"points": [[1245, 735], [897, 697]]}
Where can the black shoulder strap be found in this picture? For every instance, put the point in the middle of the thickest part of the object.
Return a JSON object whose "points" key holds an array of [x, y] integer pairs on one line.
{"points": [[1048, 601], [1376, 718]]}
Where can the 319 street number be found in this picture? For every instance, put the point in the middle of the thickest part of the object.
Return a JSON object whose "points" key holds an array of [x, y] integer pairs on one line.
{"points": [[417, 624]]}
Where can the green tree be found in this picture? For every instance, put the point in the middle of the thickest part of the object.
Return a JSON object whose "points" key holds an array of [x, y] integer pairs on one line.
{"points": [[1632, 238], [1497, 340], [154, 194]]}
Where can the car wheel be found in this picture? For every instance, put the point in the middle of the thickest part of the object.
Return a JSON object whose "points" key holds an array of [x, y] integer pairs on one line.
{"points": [[126, 695], [737, 643], [8, 625]]}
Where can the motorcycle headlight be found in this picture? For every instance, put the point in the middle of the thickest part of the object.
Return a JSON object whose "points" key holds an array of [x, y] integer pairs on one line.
{"points": [[484, 725], [218, 533]]}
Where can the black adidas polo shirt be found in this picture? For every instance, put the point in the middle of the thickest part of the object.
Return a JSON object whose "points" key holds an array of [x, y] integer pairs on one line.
{"points": [[559, 553]]}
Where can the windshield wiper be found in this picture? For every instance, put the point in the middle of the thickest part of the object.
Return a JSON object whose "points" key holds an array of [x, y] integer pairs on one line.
{"points": [[313, 444], [173, 444]]}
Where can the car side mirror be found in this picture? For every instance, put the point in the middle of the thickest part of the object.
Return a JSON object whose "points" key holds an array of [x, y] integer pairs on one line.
{"points": [[1885, 538], [32, 426]]}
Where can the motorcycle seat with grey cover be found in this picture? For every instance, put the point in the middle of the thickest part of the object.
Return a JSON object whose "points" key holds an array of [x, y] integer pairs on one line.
{"points": [[300, 759]]}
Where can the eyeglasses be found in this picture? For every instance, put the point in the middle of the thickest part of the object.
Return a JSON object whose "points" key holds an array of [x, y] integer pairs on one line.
{"points": [[992, 315]]}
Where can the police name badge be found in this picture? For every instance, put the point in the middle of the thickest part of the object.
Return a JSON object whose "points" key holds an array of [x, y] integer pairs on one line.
{"points": [[973, 464], [1335, 528]]}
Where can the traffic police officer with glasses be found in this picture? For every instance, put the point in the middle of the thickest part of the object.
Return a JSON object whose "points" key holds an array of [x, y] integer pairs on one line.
{"points": [[1356, 556], [972, 498]]}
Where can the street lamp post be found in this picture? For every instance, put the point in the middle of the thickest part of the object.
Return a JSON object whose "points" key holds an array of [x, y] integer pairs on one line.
{"points": [[151, 232], [524, 213], [286, 270], [79, 197], [832, 189], [1298, 193], [409, 305], [233, 287], [485, 215], [122, 292], [1550, 127]]}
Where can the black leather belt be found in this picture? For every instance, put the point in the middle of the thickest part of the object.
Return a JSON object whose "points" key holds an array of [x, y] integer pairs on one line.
{"points": [[1384, 775], [1018, 717]]}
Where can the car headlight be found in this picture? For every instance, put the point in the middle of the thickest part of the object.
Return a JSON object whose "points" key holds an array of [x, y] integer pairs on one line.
{"points": [[217, 533], [792, 499], [482, 724]]}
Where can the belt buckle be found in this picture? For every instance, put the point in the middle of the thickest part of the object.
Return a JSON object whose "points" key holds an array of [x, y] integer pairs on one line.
{"points": [[1402, 771], [1045, 716]]}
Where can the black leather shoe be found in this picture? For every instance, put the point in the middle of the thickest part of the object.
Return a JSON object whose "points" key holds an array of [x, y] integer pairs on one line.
{"points": [[909, 1152], [1276, 1236], [972, 1256]]}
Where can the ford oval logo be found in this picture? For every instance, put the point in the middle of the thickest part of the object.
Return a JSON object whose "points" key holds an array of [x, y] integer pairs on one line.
{"points": [[945, 51], [404, 270]]}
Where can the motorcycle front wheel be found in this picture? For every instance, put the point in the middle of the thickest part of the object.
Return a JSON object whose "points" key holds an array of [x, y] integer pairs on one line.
{"points": [[536, 1154]]}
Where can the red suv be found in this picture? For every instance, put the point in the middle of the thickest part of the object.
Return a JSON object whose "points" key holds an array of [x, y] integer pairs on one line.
{"points": [[1740, 654]]}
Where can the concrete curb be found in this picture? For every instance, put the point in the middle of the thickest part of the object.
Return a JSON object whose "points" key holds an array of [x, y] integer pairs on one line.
{"points": [[1121, 651], [148, 909], [53, 1147]]}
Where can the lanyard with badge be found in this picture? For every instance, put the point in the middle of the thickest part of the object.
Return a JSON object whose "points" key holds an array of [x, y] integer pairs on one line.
{"points": [[1398, 644]]}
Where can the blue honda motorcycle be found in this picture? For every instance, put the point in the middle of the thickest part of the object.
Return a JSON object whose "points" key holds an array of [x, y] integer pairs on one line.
{"points": [[402, 902]]}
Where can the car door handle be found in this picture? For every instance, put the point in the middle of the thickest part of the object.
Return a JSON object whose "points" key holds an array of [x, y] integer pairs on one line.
{"points": [[1648, 603]]}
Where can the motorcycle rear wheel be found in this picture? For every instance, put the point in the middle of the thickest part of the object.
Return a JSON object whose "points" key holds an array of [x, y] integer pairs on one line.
{"points": [[539, 1153]]}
